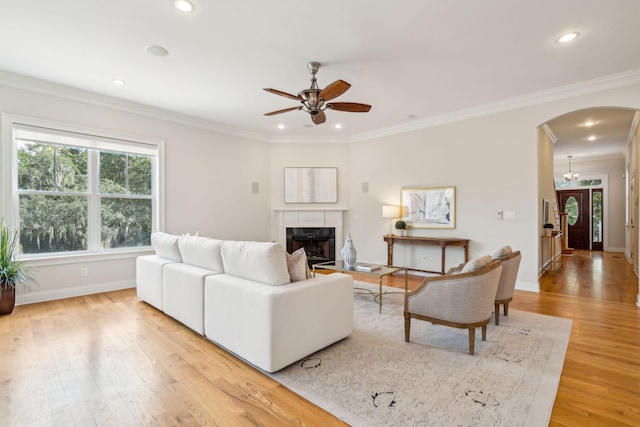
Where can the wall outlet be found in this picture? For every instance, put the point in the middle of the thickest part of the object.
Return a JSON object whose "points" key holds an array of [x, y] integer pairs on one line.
{"points": [[84, 272]]}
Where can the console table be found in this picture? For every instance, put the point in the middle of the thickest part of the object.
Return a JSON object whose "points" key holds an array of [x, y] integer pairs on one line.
{"points": [[443, 242]]}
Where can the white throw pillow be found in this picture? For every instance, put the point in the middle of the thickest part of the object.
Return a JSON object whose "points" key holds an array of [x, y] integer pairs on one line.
{"points": [[297, 265], [166, 245], [503, 251], [201, 252], [263, 262], [476, 264]]}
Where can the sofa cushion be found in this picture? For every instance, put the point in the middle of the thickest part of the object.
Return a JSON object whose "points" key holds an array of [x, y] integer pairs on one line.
{"points": [[201, 252], [500, 252], [166, 245], [476, 264], [297, 265], [263, 262]]}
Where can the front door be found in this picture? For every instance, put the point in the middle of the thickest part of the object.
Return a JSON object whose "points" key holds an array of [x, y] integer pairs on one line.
{"points": [[576, 204]]}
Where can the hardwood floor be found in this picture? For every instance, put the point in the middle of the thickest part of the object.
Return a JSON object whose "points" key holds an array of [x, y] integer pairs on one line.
{"points": [[108, 359]]}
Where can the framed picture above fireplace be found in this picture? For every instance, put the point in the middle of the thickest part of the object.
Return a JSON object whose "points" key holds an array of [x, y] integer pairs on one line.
{"points": [[311, 185]]}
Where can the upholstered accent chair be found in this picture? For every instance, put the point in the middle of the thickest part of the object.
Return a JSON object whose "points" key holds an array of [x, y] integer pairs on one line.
{"points": [[510, 265], [461, 300]]}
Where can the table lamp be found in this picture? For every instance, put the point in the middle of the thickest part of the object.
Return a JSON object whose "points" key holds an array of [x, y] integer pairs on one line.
{"points": [[390, 211]]}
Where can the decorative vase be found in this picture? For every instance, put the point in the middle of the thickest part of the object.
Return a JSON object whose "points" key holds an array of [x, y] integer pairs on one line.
{"points": [[349, 253], [7, 298]]}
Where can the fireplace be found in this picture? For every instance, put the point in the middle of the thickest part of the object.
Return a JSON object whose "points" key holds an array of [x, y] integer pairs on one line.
{"points": [[318, 242]]}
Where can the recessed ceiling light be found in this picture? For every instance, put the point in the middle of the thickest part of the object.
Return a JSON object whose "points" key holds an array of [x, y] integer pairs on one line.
{"points": [[566, 38], [338, 126], [118, 82], [589, 123], [592, 138], [183, 5], [280, 126], [156, 50]]}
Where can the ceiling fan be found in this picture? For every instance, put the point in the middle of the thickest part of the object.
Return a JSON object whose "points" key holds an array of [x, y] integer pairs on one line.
{"points": [[314, 100]]}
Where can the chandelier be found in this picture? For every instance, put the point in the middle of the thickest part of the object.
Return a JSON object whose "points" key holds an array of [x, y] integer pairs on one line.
{"points": [[570, 176]]}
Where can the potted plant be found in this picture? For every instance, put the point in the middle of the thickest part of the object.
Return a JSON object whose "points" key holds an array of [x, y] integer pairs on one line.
{"points": [[13, 273], [401, 226], [548, 229]]}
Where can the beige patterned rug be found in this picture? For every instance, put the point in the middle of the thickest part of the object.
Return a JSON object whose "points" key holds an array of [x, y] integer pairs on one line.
{"points": [[374, 378]]}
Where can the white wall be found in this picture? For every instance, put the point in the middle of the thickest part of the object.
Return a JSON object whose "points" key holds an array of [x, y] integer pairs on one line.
{"points": [[549, 250], [208, 177]]}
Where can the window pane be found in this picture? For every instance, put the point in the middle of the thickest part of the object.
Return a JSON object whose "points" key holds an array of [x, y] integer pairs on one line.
{"points": [[123, 173], [53, 223], [47, 167], [597, 216], [572, 210], [125, 222]]}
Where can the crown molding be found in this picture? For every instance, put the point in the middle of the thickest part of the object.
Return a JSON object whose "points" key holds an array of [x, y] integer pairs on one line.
{"points": [[552, 136], [563, 92], [634, 127], [18, 81]]}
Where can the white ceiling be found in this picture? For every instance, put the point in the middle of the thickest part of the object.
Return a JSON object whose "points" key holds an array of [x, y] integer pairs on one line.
{"points": [[412, 60]]}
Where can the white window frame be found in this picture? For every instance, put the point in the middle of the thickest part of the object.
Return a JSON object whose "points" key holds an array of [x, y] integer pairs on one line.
{"points": [[104, 140]]}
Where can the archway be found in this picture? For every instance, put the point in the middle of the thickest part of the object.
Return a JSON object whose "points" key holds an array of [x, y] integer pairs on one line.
{"points": [[598, 139]]}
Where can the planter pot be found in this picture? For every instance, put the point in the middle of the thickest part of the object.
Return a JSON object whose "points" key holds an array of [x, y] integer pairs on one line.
{"points": [[7, 299]]}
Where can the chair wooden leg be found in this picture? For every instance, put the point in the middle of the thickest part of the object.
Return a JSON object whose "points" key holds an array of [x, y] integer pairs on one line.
{"points": [[484, 332], [407, 327], [497, 311], [506, 308], [472, 340]]}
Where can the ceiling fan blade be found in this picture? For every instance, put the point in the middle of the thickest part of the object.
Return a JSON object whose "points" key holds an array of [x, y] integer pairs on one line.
{"points": [[334, 90], [286, 110], [319, 118], [281, 93], [352, 107]]}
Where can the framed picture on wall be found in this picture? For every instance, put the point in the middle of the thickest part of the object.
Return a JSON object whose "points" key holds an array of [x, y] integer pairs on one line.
{"points": [[429, 207], [311, 185]]}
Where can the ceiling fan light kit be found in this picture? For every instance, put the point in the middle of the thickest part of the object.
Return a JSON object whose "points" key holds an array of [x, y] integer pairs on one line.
{"points": [[314, 100]]}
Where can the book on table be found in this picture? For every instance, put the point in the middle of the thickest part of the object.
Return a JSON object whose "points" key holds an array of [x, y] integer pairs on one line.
{"points": [[368, 267]]}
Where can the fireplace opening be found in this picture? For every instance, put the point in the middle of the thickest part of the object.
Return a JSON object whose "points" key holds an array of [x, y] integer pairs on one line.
{"points": [[318, 242]]}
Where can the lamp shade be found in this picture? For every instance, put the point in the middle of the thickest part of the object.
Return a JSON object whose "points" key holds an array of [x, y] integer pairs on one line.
{"points": [[390, 211]]}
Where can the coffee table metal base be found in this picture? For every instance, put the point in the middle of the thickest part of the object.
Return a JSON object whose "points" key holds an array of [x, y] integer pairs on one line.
{"points": [[385, 270]]}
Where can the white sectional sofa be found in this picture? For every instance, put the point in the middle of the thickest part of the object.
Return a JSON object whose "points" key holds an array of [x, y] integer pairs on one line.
{"points": [[240, 295]]}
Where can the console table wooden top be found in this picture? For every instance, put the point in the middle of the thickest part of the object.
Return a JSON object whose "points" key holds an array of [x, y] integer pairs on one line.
{"points": [[443, 242]]}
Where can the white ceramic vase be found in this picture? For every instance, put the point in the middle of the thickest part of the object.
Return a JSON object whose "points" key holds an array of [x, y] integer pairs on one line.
{"points": [[349, 252]]}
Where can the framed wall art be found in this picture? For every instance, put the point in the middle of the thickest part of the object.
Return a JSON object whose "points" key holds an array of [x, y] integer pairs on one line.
{"points": [[311, 185], [429, 207]]}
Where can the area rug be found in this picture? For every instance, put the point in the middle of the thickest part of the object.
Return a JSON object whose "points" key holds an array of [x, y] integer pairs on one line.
{"points": [[375, 378]]}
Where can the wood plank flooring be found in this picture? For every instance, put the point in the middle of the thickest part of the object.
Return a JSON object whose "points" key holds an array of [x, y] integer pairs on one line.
{"points": [[110, 360]]}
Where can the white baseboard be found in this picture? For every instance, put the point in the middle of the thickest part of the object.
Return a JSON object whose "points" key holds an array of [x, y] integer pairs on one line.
{"points": [[614, 250], [528, 286], [76, 291]]}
